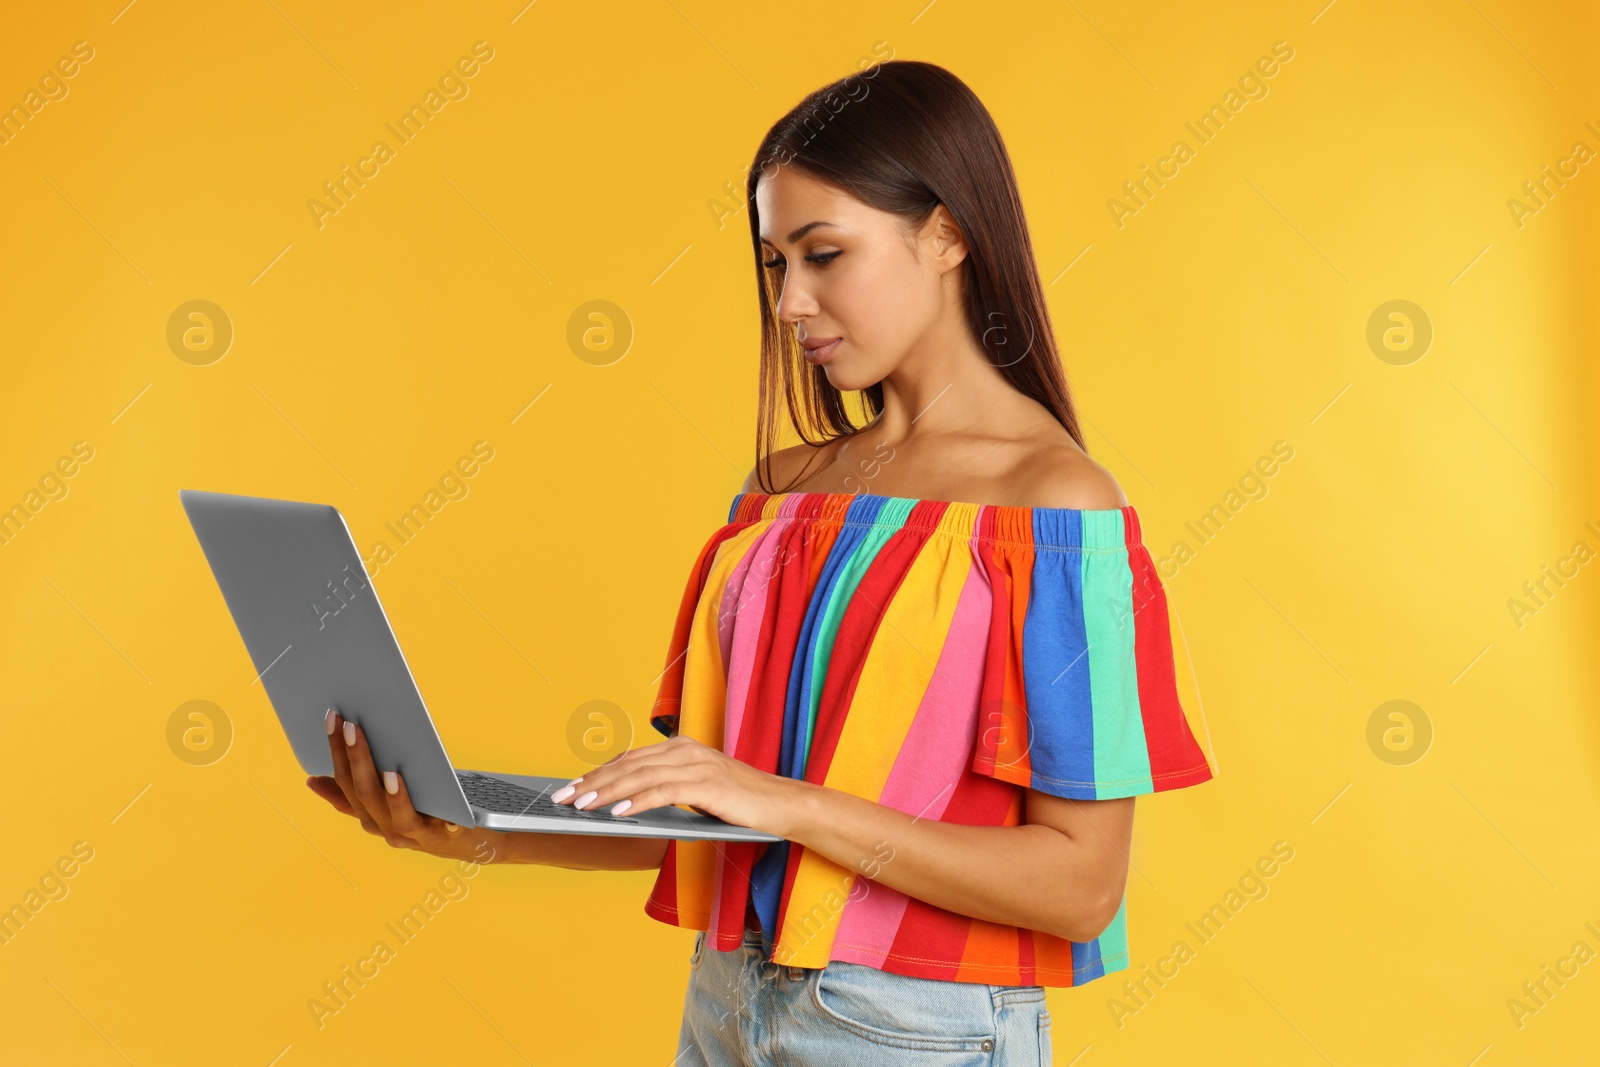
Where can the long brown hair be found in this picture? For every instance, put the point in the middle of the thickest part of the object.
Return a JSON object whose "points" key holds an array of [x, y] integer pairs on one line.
{"points": [[904, 137]]}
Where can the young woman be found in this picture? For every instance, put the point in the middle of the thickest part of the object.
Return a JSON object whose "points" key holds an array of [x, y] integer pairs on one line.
{"points": [[944, 707]]}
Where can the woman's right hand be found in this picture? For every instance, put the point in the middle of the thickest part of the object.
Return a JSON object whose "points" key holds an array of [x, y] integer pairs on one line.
{"points": [[383, 805]]}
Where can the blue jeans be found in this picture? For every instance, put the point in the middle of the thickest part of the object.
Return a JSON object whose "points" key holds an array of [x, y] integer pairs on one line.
{"points": [[743, 1011]]}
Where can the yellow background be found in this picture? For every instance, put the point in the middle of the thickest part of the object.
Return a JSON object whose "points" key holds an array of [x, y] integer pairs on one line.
{"points": [[1229, 313]]}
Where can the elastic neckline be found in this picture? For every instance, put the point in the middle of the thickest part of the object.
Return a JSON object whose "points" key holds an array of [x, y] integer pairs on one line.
{"points": [[1073, 529]]}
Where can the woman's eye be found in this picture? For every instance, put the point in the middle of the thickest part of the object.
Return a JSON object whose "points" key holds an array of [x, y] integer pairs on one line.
{"points": [[819, 258]]}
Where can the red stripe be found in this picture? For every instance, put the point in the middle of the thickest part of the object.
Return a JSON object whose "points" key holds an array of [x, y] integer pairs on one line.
{"points": [[1175, 756], [663, 900], [737, 862], [926, 931], [1027, 973], [785, 591], [1001, 749]]}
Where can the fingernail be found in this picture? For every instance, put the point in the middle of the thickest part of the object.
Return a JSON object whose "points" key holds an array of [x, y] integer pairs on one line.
{"points": [[391, 782], [585, 799], [349, 732], [329, 722], [561, 794], [619, 808]]}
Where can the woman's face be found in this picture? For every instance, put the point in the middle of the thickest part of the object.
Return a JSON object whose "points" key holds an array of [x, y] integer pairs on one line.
{"points": [[851, 272]]}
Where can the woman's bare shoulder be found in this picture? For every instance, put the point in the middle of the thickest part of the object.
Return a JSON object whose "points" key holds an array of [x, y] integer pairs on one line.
{"points": [[1063, 476], [793, 464]]}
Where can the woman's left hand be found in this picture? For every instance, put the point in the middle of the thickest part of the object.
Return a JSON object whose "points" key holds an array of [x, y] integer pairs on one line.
{"points": [[681, 770]]}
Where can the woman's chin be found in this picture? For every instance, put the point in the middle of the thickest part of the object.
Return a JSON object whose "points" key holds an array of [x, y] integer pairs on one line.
{"points": [[846, 380]]}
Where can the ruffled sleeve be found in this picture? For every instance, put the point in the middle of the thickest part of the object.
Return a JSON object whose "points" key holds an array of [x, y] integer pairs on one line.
{"points": [[1082, 695], [669, 693]]}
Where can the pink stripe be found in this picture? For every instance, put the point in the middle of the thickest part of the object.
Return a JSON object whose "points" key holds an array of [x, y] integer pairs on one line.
{"points": [[932, 759], [744, 610], [728, 611]]}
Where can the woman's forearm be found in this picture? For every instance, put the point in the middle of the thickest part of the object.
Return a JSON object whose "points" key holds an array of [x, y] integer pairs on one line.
{"points": [[583, 852], [1030, 876]]}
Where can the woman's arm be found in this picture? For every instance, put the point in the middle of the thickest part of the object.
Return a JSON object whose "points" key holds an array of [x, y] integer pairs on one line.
{"points": [[1064, 877], [1063, 871], [581, 852]]}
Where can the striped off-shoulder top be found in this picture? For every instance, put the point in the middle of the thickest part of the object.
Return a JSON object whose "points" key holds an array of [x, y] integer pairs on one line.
{"points": [[935, 657]]}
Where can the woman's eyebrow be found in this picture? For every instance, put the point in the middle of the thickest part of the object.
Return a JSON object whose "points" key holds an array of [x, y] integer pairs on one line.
{"points": [[802, 231]]}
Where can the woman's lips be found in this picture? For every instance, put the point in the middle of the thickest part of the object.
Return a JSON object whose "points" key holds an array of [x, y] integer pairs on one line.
{"points": [[822, 355]]}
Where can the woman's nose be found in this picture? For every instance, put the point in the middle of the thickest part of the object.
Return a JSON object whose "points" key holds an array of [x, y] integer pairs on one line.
{"points": [[794, 303]]}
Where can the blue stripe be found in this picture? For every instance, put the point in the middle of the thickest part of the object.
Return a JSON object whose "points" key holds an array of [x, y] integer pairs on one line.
{"points": [[1055, 662]]}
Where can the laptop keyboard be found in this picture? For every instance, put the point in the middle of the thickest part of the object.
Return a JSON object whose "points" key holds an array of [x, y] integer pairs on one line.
{"points": [[497, 795]]}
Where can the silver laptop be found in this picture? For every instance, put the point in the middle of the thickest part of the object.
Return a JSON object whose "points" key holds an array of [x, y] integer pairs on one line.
{"points": [[311, 621]]}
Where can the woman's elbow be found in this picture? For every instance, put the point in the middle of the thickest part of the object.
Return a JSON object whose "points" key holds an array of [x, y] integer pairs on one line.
{"points": [[1088, 922]]}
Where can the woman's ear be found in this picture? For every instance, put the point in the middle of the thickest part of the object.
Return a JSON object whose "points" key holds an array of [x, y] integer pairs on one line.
{"points": [[944, 243]]}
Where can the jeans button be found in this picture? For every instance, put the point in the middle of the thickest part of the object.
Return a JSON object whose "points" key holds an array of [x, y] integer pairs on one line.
{"points": [[988, 1046]]}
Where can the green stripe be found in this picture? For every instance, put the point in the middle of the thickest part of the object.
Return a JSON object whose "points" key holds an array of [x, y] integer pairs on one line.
{"points": [[1114, 940], [1121, 759]]}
